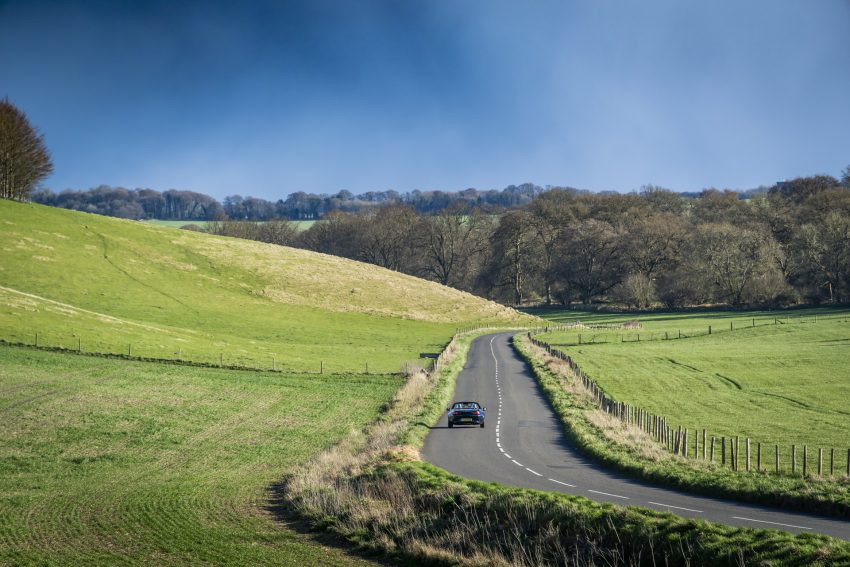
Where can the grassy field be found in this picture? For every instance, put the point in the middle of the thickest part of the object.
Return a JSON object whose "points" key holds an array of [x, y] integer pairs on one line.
{"points": [[783, 381], [103, 284], [300, 224], [115, 462]]}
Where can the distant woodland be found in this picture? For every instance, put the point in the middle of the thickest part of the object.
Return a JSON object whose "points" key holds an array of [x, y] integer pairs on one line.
{"points": [[779, 245]]}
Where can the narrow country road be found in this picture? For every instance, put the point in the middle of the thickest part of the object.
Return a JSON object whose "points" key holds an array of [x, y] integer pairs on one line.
{"points": [[524, 445]]}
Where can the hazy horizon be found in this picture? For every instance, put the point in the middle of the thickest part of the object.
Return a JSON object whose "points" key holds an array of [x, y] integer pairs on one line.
{"points": [[268, 98]]}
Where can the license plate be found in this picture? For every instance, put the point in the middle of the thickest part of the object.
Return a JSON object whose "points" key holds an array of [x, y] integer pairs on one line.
{"points": [[467, 420]]}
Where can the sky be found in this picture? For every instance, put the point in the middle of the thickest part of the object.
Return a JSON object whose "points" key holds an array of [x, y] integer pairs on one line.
{"points": [[266, 98]]}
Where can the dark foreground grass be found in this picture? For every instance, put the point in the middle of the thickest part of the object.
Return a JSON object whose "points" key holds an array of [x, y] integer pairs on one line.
{"points": [[106, 462], [374, 492]]}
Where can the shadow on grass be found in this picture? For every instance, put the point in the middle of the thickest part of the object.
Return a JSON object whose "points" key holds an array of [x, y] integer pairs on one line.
{"points": [[280, 510]]}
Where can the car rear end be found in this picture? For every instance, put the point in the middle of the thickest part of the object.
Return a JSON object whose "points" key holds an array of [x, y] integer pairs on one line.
{"points": [[466, 417]]}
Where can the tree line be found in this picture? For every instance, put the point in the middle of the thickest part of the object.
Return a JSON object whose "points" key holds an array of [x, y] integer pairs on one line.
{"points": [[141, 204], [786, 245]]}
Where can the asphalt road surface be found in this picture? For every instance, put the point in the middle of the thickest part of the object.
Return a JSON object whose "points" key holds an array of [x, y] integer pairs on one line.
{"points": [[523, 445]]}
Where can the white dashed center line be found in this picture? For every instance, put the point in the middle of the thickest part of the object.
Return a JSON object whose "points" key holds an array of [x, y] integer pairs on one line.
{"points": [[773, 523], [675, 507], [608, 494]]}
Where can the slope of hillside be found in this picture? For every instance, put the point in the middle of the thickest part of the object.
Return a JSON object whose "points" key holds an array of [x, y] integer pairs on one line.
{"points": [[104, 284]]}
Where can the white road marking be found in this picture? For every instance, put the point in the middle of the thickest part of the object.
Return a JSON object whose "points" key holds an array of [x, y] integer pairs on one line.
{"points": [[608, 494], [676, 507], [508, 456], [564, 483], [502, 450], [517, 462], [533, 472], [773, 523]]}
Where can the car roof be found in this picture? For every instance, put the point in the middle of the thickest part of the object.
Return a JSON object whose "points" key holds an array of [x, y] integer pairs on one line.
{"points": [[467, 402]]}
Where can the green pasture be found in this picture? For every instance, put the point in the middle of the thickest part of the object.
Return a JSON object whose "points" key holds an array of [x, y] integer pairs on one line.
{"points": [[775, 377], [115, 462], [94, 283]]}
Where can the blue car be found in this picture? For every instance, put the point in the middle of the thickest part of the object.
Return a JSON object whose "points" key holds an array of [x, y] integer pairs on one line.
{"points": [[466, 413]]}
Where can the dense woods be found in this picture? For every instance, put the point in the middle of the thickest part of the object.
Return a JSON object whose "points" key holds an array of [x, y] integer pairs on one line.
{"points": [[781, 245], [787, 245]]}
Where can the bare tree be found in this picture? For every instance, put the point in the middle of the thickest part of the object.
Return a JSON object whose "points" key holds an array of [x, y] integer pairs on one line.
{"points": [[451, 244], [735, 259], [591, 258], [386, 239], [24, 159], [550, 215]]}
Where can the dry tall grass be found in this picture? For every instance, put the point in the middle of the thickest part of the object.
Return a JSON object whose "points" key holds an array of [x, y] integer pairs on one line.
{"points": [[359, 490]]}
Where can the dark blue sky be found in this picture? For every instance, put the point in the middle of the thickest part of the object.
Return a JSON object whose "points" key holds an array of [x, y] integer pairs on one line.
{"points": [[267, 98]]}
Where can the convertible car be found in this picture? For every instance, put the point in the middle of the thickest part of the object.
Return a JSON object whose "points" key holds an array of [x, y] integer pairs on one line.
{"points": [[466, 413]]}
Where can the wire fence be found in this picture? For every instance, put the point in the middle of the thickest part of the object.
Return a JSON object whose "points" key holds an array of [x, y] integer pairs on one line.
{"points": [[232, 359], [734, 452], [591, 334]]}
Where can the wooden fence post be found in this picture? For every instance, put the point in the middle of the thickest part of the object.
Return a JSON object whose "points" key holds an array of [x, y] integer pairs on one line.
{"points": [[776, 463], [805, 460], [36, 339], [831, 461], [703, 444], [793, 459], [221, 359], [129, 348], [711, 458], [709, 329], [758, 457], [723, 451], [820, 461], [748, 454], [321, 367], [696, 444], [79, 344], [274, 363]]}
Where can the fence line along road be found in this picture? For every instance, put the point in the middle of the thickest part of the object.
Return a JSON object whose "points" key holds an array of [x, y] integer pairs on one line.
{"points": [[679, 441]]}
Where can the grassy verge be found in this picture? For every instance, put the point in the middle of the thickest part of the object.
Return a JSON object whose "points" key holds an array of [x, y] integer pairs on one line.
{"points": [[373, 490], [111, 462], [627, 448]]}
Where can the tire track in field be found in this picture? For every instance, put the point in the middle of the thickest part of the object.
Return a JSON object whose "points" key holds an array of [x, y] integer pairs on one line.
{"points": [[106, 257]]}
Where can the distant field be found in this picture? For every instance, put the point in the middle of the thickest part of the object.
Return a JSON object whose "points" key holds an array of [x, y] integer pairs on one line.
{"points": [[109, 285], [301, 224], [114, 462], [786, 380]]}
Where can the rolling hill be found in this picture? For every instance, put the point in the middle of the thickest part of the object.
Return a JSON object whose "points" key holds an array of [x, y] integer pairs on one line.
{"points": [[109, 285]]}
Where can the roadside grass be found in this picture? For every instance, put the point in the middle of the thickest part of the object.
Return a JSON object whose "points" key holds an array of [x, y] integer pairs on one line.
{"points": [[778, 384], [115, 462], [109, 285], [373, 490]]}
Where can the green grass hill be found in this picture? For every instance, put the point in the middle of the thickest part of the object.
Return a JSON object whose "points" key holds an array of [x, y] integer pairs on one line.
{"points": [[106, 285]]}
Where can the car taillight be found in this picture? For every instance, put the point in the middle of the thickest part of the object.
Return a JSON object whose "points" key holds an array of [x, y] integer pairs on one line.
{"points": [[476, 412]]}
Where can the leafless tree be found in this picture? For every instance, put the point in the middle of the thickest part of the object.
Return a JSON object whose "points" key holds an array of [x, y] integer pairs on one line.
{"points": [[24, 159], [451, 244]]}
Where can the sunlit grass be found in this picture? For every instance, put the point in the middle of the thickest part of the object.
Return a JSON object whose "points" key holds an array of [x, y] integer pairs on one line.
{"points": [[115, 462]]}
